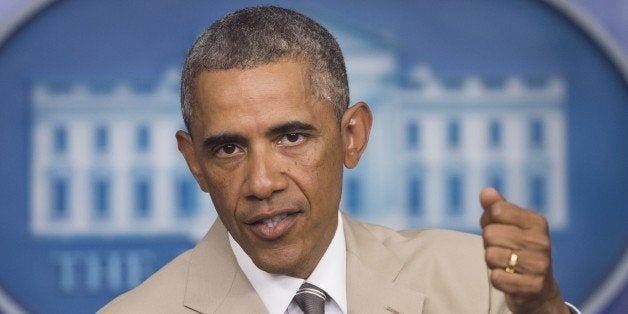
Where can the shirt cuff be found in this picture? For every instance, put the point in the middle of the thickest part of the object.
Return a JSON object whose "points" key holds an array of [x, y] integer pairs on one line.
{"points": [[572, 308]]}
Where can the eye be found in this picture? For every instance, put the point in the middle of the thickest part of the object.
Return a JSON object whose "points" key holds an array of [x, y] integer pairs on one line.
{"points": [[292, 139], [227, 150]]}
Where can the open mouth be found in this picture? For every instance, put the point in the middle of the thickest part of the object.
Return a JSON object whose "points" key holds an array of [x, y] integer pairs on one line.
{"points": [[272, 222], [273, 227]]}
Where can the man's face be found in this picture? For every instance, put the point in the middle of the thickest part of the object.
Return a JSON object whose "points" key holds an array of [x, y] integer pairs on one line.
{"points": [[271, 155]]}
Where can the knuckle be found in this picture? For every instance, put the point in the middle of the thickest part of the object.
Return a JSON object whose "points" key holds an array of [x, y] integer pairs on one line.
{"points": [[540, 266], [537, 220], [489, 234], [542, 222], [497, 211], [496, 279], [544, 265], [531, 286], [491, 254], [540, 242], [526, 289], [536, 285]]}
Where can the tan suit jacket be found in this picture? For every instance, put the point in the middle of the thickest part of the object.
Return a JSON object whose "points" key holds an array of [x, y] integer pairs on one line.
{"points": [[417, 271]]}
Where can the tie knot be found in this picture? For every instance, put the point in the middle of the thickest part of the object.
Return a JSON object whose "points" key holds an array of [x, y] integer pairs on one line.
{"points": [[311, 299]]}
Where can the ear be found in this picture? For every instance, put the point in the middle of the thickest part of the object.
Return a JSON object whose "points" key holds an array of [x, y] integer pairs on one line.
{"points": [[356, 128], [186, 147]]}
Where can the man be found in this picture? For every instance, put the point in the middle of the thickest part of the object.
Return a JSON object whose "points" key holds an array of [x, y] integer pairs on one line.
{"points": [[265, 102]]}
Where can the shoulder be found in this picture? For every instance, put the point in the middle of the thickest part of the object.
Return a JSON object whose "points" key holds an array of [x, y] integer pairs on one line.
{"points": [[424, 247], [448, 267], [160, 293], [436, 240]]}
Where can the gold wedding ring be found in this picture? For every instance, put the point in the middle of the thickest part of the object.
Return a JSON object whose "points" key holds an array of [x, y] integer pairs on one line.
{"points": [[512, 263]]}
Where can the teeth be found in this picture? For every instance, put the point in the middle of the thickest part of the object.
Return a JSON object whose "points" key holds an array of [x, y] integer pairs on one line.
{"points": [[272, 222], [278, 218]]}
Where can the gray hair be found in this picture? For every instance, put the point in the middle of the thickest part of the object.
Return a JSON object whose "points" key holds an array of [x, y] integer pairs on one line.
{"points": [[255, 36]]}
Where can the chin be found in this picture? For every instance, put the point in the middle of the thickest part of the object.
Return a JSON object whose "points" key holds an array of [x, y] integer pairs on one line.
{"points": [[278, 269], [279, 263]]}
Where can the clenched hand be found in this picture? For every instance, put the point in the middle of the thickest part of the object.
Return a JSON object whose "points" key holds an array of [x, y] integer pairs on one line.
{"points": [[509, 229]]}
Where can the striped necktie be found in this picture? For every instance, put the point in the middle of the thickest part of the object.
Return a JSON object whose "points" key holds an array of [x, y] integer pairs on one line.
{"points": [[311, 299]]}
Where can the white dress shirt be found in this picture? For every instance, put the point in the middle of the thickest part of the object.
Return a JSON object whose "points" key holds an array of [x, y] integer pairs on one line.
{"points": [[277, 291]]}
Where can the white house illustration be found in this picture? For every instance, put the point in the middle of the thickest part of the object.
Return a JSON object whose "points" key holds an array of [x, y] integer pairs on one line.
{"points": [[105, 162], [435, 147]]}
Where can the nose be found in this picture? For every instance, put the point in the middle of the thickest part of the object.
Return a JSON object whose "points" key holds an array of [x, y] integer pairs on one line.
{"points": [[265, 174]]}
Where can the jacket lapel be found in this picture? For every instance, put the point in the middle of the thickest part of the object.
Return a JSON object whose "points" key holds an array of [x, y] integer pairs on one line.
{"points": [[371, 273], [215, 283]]}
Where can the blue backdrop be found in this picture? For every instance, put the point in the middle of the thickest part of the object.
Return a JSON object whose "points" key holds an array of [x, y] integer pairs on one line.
{"points": [[74, 58]]}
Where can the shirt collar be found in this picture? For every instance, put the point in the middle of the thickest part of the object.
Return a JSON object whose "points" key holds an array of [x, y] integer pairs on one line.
{"points": [[277, 291]]}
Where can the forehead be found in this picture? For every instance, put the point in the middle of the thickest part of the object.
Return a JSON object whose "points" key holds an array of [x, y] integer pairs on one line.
{"points": [[266, 94], [278, 79]]}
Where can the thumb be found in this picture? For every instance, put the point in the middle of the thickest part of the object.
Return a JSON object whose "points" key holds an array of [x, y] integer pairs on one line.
{"points": [[489, 196]]}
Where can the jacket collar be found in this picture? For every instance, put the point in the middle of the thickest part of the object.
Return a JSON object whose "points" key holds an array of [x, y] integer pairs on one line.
{"points": [[215, 283], [372, 270]]}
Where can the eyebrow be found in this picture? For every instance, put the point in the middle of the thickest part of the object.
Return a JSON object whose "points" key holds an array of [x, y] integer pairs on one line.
{"points": [[224, 138], [290, 127]]}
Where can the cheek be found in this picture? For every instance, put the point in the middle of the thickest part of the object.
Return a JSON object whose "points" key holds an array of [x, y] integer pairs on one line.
{"points": [[325, 153], [317, 163], [222, 189], [320, 170]]}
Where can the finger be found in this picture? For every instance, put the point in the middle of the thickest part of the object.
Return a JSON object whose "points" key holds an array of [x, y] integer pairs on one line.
{"points": [[503, 212], [528, 262], [516, 284], [501, 235], [499, 258], [500, 212], [489, 196]]}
